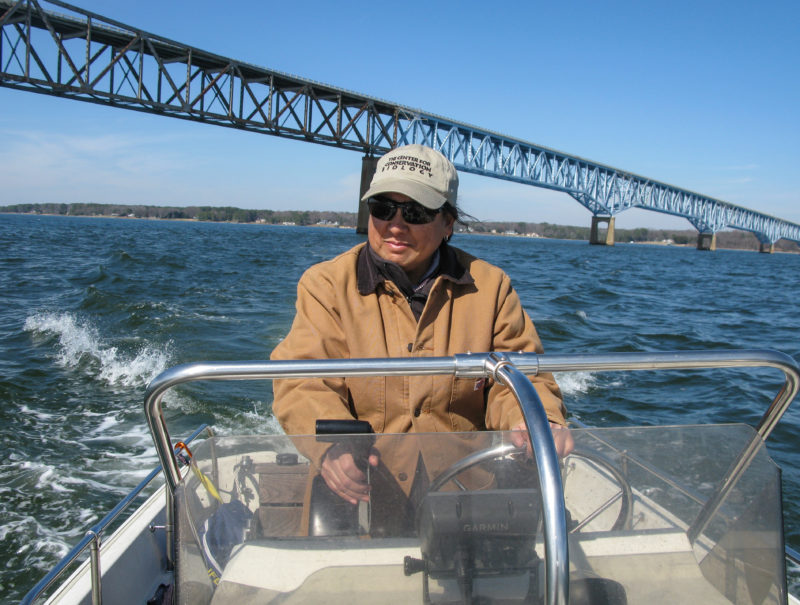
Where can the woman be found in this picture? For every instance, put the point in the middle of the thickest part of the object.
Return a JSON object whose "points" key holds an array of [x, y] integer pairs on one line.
{"points": [[406, 293]]}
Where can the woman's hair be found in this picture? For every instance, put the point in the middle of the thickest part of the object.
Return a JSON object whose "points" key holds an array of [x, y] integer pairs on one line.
{"points": [[460, 217]]}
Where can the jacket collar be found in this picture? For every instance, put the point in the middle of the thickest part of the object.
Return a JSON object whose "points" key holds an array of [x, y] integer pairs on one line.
{"points": [[370, 274]]}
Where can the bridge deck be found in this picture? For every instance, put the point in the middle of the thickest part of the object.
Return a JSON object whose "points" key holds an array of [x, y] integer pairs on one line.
{"points": [[81, 55]]}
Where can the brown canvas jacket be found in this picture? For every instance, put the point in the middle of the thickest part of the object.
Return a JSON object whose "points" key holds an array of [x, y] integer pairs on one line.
{"points": [[334, 321]]}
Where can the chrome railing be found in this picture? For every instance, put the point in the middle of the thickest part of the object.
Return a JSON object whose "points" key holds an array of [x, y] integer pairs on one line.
{"points": [[490, 365], [507, 368], [92, 541]]}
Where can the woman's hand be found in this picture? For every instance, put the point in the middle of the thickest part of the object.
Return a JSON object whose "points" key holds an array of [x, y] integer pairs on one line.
{"points": [[343, 476], [561, 436]]}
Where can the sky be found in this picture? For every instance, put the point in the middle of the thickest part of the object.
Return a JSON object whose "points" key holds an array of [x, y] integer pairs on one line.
{"points": [[703, 95]]}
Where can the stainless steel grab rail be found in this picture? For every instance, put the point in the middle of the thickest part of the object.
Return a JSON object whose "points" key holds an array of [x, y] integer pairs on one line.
{"points": [[490, 365], [505, 368], [688, 360], [554, 510], [462, 366], [792, 555]]}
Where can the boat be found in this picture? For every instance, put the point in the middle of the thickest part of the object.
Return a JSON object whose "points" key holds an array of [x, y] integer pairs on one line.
{"points": [[650, 514]]}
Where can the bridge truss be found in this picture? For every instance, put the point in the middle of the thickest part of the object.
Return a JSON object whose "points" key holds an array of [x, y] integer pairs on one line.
{"points": [[77, 54]]}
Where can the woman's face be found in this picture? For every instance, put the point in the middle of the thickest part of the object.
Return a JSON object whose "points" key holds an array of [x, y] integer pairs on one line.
{"points": [[410, 246]]}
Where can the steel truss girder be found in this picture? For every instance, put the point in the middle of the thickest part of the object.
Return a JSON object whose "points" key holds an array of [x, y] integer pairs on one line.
{"points": [[81, 55]]}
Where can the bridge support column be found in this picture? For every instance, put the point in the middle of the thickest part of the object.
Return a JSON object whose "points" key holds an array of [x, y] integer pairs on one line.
{"points": [[368, 165], [597, 237], [707, 241], [766, 247]]}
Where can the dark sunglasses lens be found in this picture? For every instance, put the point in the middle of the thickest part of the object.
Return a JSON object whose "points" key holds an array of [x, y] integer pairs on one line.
{"points": [[413, 212], [416, 214], [381, 209]]}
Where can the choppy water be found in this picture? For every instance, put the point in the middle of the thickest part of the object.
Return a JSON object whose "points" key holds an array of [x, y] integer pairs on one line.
{"points": [[92, 309]]}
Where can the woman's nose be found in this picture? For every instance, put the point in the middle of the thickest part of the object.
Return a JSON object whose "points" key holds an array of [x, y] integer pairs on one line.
{"points": [[397, 221]]}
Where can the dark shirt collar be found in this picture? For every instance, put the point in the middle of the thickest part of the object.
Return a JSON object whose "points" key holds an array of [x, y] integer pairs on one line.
{"points": [[372, 270]]}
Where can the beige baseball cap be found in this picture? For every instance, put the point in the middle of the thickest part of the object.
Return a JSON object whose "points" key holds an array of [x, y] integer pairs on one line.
{"points": [[421, 173]]}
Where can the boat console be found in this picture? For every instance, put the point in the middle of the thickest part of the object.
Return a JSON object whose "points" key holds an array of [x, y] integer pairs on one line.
{"points": [[633, 496]]}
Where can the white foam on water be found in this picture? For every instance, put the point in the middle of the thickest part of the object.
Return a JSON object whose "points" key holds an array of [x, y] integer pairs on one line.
{"points": [[55, 480], [44, 416], [128, 437], [256, 421], [102, 485], [176, 401], [51, 545], [146, 365], [23, 525], [273, 426], [46, 476], [574, 383], [44, 542], [51, 479], [105, 424], [79, 341], [127, 469]]}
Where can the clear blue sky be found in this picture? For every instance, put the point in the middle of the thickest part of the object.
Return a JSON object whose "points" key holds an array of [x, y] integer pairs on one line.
{"points": [[702, 95]]}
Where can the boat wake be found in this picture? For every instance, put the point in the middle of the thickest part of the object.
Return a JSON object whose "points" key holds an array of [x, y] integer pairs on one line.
{"points": [[81, 346]]}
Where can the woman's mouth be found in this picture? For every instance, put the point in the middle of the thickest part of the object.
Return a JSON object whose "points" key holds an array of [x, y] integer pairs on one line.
{"points": [[395, 245]]}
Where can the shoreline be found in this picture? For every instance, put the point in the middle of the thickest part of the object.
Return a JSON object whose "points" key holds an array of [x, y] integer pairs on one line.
{"points": [[263, 223]]}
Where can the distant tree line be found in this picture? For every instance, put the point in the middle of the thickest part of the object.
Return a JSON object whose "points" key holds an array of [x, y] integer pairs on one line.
{"points": [[737, 240], [220, 214], [725, 239]]}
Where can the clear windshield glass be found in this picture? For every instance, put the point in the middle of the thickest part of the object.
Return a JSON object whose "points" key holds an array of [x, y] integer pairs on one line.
{"points": [[256, 522]]}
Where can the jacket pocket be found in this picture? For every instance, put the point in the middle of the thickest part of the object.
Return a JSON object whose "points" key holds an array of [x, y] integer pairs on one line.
{"points": [[467, 409], [368, 395]]}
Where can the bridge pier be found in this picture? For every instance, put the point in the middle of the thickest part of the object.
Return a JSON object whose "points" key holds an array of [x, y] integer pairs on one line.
{"points": [[596, 237], [766, 247], [368, 166], [707, 241]]}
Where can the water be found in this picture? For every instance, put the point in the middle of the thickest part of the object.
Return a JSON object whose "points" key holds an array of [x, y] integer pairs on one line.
{"points": [[92, 309]]}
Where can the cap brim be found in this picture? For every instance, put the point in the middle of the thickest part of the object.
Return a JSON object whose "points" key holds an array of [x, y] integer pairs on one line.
{"points": [[416, 191]]}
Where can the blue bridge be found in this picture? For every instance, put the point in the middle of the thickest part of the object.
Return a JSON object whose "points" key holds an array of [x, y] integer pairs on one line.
{"points": [[73, 53]]}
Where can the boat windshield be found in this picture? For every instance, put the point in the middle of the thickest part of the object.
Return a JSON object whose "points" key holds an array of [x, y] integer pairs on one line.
{"points": [[456, 518]]}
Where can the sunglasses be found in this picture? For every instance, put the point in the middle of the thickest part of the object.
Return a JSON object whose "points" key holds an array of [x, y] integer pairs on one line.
{"points": [[413, 212]]}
